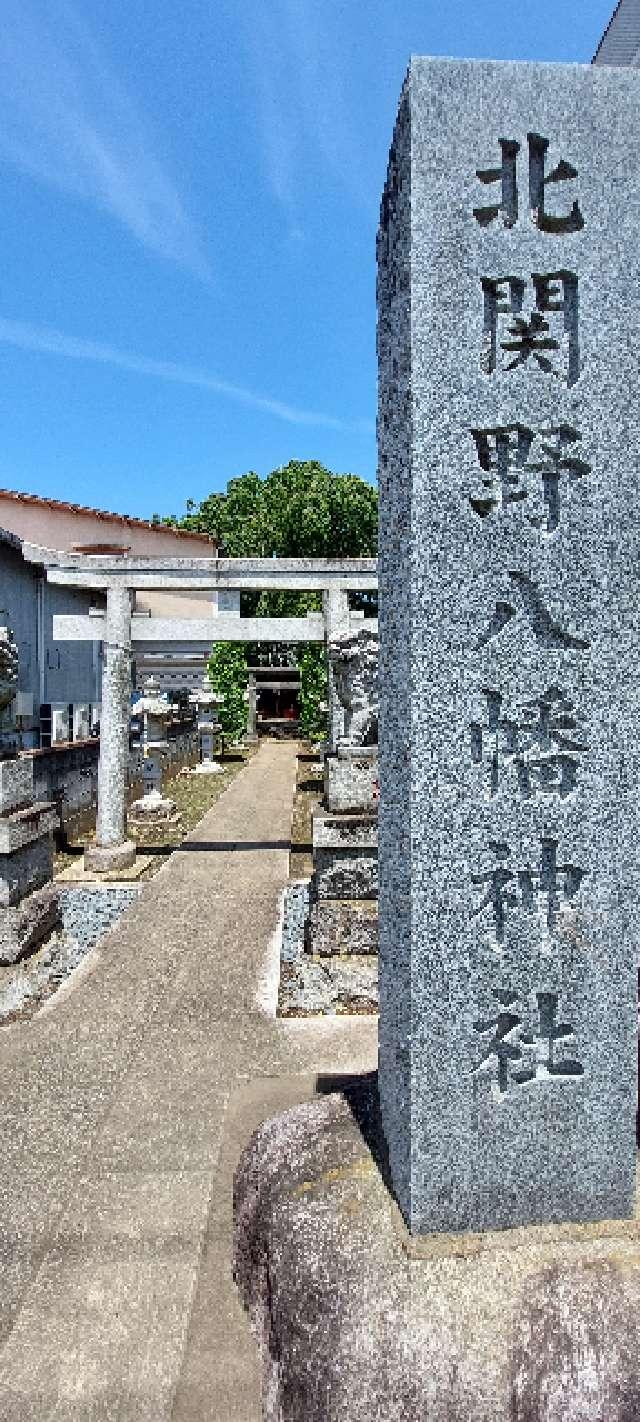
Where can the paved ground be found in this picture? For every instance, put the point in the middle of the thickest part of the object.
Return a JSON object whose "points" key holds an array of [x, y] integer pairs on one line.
{"points": [[125, 1107]]}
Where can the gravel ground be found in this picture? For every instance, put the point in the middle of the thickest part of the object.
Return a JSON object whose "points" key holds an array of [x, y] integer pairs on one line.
{"points": [[87, 914], [311, 987]]}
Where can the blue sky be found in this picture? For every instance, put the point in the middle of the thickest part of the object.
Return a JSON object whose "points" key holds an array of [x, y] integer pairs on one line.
{"points": [[189, 199]]}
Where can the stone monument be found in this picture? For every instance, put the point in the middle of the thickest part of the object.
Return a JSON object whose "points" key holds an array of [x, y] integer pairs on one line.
{"points": [[156, 713], [508, 319], [506, 1286]]}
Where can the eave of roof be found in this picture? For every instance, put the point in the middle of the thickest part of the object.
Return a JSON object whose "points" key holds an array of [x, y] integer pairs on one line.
{"points": [[125, 519], [620, 43]]}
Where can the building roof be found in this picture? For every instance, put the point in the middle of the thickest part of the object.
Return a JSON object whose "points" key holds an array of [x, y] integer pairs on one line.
{"points": [[620, 43], [123, 519]]}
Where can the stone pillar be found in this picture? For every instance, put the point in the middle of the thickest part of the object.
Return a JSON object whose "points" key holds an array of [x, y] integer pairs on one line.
{"points": [[335, 607], [112, 850], [251, 734], [509, 351]]}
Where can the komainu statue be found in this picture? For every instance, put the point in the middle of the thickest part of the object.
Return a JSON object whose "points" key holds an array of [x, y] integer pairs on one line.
{"points": [[354, 663]]}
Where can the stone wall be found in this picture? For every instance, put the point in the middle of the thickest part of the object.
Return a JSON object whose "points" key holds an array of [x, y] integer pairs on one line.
{"points": [[68, 774]]}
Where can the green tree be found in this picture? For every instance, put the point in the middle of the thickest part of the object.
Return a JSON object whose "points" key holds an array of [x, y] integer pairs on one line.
{"points": [[301, 510], [227, 669]]}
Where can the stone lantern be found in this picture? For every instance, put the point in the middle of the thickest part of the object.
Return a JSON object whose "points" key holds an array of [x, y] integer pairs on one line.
{"points": [[9, 662], [156, 712], [209, 728]]}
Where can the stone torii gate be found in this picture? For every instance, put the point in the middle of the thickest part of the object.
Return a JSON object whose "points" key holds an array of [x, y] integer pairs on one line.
{"points": [[119, 627]]}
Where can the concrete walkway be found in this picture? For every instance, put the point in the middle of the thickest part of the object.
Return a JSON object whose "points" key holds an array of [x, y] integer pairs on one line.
{"points": [[125, 1107]]}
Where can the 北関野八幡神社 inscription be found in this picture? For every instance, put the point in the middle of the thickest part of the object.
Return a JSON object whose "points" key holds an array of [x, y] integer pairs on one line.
{"points": [[520, 464], [532, 323], [510, 544], [507, 176]]}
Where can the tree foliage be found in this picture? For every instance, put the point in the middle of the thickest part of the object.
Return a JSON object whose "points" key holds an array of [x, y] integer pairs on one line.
{"points": [[312, 665], [300, 510], [227, 670]]}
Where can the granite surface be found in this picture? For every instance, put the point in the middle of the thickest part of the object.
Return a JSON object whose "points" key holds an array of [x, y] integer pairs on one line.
{"points": [[538, 1324], [351, 780], [342, 927], [509, 305], [345, 856], [25, 869], [16, 784]]}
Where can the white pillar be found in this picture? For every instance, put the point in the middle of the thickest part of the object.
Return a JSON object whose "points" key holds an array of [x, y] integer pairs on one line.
{"points": [[112, 850]]}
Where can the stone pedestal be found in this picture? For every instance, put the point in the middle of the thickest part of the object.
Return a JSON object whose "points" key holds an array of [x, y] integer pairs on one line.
{"points": [[109, 858], [26, 861], [356, 1320], [351, 779], [343, 917]]}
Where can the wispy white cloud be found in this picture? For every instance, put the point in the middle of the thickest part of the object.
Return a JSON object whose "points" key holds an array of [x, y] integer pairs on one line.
{"points": [[66, 119], [299, 74], [45, 340]]}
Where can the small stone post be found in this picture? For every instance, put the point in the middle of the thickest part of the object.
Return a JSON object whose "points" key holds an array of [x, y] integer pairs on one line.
{"points": [[112, 850], [335, 607]]}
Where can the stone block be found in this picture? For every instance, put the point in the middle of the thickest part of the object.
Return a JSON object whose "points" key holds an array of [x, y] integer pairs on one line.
{"points": [[509, 351], [342, 926], [16, 784], [109, 858], [24, 826], [345, 856], [351, 779], [24, 927], [311, 987], [355, 1320], [25, 869]]}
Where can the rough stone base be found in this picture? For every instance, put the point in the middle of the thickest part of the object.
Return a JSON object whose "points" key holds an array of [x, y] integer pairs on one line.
{"points": [[16, 784], [351, 779], [345, 856], [24, 927], [339, 926], [153, 807], [25, 870], [109, 858], [356, 1321], [329, 987]]}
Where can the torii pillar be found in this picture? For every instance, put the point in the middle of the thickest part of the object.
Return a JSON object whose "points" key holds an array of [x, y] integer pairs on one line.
{"points": [[112, 850]]}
